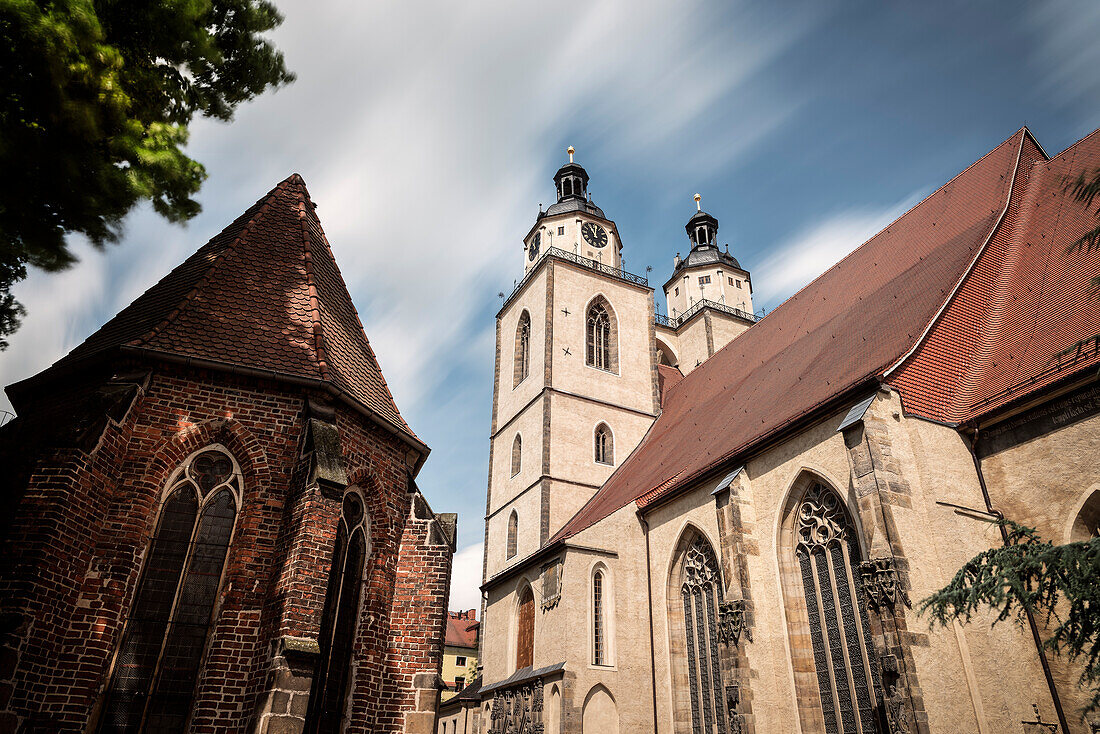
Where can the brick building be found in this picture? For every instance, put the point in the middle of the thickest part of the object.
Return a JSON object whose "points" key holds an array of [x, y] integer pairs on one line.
{"points": [[211, 520]]}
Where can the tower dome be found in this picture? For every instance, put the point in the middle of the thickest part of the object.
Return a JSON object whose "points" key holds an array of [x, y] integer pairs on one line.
{"points": [[571, 185]]}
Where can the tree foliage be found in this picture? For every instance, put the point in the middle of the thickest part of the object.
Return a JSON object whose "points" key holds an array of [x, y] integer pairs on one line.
{"points": [[1059, 582], [95, 102], [1086, 188]]}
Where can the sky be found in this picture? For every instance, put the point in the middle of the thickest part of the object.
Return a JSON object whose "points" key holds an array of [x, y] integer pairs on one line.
{"points": [[428, 134]]}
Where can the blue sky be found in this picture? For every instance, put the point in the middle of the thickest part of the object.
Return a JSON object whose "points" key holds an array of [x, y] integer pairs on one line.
{"points": [[428, 134]]}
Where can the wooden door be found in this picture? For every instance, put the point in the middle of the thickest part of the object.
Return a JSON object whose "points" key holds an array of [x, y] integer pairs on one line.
{"points": [[525, 643]]}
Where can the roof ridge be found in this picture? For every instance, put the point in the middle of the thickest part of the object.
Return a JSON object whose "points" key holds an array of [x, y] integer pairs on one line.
{"points": [[969, 268], [319, 343], [358, 319], [901, 216], [263, 205]]}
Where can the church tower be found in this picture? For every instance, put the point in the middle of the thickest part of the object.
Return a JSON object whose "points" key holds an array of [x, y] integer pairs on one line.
{"points": [[575, 386], [709, 297]]}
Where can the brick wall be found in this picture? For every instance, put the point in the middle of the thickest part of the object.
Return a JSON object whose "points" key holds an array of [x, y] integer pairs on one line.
{"points": [[80, 528]]}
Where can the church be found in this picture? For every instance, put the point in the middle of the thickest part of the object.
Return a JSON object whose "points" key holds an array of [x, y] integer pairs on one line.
{"points": [[711, 522], [212, 520]]}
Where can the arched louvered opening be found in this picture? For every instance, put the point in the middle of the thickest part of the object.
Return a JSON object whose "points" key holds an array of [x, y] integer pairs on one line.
{"points": [[513, 531], [153, 681], [601, 338], [329, 693], [604, 445], [525, 629], [522, 366], [517, 454], [827, 555]]}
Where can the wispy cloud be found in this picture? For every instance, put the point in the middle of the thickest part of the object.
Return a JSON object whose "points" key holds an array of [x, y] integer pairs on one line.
{"points": [[1065, 51], [466, 579], [814, 250]]}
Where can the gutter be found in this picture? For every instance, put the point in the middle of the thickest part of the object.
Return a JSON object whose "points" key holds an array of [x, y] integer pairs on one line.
{"points": [[1035, 636]]}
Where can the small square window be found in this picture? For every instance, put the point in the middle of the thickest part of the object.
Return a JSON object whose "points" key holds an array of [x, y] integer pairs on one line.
{"points": [[460, 661], [675, 291], [704, 279], [561, 230], [460, 683], [738, 283], [730, 280]]}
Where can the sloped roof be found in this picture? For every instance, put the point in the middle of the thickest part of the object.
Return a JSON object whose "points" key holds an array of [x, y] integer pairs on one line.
{"points": [[265, 293], [1023, 318], [667, 378], [461, 632], [842, 330]]}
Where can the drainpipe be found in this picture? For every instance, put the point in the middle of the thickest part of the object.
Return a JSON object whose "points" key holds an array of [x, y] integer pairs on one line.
{"points": [[1030, 618], [649, 594]]}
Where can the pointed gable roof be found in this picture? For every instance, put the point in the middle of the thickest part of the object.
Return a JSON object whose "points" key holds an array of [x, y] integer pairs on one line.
{"points": [[264, 294], [840, 332]]}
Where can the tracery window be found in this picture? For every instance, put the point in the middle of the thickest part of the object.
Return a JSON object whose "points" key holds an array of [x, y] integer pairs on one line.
{"points": [[513, 531], [599, 641], [517, 454], [701, 593], [523, 349], [599, 336], [329, 692], [605, 445], [153, 681], [827, 554]]}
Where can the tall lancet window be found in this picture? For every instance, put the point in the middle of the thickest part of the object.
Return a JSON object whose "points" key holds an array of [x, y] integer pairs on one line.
{"points": [[513, 531], [701, 593], [827, 554], [523, 349], [153, 681], [517, 454], [600, 351], [329, 693]]}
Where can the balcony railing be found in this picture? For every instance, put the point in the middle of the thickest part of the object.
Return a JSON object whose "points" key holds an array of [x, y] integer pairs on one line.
{"points": [[584, 262], [674, 322]]}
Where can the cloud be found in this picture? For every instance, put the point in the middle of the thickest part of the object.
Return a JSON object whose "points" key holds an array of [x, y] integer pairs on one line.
{"points": [[466, 579], [1065, 51], [817, 248]]}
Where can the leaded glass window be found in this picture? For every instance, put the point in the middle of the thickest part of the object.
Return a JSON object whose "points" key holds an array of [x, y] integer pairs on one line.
{"points": [[605, 445], [827, 554], [701, 593], [523, 349], [517, 454], [513, 531], [329, 693], [599, 642], [598, 352], [153, 681]]}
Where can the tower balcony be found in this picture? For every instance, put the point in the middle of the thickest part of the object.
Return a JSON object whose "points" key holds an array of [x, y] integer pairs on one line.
{"points": [[674, 322], [584, 262]]}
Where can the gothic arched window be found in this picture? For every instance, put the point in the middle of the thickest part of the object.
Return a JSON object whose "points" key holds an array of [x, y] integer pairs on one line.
{"points": [[1086, 525], [329, 692], [513, 531], [605, 445], [161, 653], [827, 553], [525, 629], [701, 595], [601, 348], [523, 349], [599, 622], [517, 454]]}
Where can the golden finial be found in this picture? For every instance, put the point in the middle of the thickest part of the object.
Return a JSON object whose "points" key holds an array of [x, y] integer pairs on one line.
{"points": [[698, 206], [570, 151]]}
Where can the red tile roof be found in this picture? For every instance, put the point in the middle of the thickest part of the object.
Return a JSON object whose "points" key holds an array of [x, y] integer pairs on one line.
{"points": [[1022, 318], [667, 378], [264, 293], [462, 629], [839, 332]]}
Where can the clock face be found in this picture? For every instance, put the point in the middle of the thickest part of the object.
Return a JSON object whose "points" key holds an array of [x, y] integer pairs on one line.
{"points": [[594, 234], [533, 249]]}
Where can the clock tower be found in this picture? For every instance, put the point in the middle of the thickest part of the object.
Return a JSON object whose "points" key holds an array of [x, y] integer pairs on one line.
{"points": [[576, 378]]}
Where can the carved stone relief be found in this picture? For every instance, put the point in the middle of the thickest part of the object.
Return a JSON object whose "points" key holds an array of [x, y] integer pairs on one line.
{"points": [[880, 584], [731, 622], [518, 710]]}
